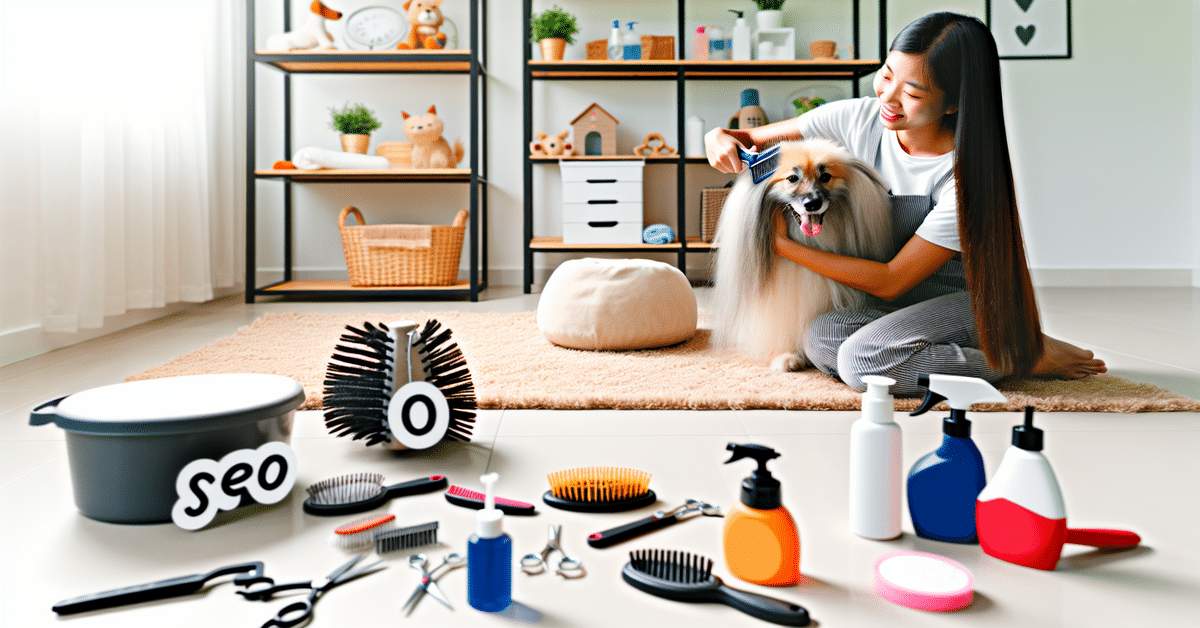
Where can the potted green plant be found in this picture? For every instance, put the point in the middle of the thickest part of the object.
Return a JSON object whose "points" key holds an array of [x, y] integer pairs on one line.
{"points": [[355, 123], [553, 29], [770, 14]]}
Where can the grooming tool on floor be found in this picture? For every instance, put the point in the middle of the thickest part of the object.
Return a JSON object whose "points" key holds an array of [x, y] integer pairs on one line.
{"points": [[359, 492], [761, 541], [685, 577], [659, 520], [249, 573], [599, 489], [761, 165], [569, 568], [489, 555], [925, 582], [360, 534], [467, 498], [428, 583], [298, 612], [401, 539], [399, 387]]}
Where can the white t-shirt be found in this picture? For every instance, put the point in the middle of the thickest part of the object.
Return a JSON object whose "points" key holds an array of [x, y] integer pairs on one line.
{"points": [[849, 122]]}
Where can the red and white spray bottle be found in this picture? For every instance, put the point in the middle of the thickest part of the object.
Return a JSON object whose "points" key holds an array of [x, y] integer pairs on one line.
{"points": [[1020, 516]]}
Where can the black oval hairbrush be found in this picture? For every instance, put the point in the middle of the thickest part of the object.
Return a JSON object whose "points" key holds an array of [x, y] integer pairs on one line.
{"points": [[686, 577]]}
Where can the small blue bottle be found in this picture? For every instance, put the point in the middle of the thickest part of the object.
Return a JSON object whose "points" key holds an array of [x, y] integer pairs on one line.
{"points": [[943, 485], [489, 556]]}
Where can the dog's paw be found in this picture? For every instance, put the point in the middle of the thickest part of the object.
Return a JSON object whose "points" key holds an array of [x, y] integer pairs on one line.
{"points": [[788, 362]]}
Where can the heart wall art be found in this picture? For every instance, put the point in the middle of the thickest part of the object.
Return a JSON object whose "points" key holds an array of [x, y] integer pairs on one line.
{"points": [[1031, 29]]}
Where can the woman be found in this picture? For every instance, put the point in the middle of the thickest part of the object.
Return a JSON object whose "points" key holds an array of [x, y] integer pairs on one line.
{"points": [[957, 297]]}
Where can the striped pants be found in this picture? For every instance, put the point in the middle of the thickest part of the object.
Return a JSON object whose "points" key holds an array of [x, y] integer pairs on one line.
{"points": [[933, 336]]}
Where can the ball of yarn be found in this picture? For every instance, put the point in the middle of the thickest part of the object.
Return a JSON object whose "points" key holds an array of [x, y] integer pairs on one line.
{"points": [[658, 234]]}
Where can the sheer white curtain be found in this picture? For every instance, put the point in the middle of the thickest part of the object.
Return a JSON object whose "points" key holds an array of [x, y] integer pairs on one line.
{"points": [[122, 144]]}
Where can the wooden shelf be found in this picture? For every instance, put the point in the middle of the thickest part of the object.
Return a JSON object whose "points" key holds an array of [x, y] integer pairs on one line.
{"points": [[344, 61], [326, 287], [408, 174], [670, 69], [556, 244], [661, 158]]}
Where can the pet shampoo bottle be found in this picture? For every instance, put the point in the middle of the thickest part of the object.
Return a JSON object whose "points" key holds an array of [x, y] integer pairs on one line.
{"points": [[616, 43], [761, 542], [741, 37], [489, 556], [943, 485], [633, 45], [875, 464]]}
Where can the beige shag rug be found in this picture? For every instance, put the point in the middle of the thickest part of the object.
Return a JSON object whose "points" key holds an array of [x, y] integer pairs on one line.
{"points": [[513, 366]]}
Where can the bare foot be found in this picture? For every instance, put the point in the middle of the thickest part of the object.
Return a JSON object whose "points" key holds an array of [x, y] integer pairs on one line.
{"points": [[1061, 360]]}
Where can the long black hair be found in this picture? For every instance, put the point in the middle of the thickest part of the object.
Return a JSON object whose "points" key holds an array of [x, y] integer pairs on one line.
{"points": [[961, 58]]}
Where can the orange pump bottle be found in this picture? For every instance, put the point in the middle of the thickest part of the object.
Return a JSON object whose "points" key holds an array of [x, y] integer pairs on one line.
{"points": [[762, 545]]}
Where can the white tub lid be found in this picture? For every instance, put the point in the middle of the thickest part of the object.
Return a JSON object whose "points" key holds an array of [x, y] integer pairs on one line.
{"points": [[173, 405]]}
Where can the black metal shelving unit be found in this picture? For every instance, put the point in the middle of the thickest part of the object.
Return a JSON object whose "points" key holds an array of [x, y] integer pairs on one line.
{"points": [[681, 72], [470, 62]]}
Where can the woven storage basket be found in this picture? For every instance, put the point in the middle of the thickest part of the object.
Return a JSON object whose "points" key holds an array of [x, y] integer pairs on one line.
{"points": [[655, 47], [597, 50], [711, 202], [401, 255]]}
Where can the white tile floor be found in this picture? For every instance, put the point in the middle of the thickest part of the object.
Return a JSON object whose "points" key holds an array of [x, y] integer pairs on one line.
{"points": [[1126, 471]]}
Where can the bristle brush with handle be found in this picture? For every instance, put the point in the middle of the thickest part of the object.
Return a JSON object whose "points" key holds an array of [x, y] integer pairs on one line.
{"points": [[685, 577], [398, 387]]}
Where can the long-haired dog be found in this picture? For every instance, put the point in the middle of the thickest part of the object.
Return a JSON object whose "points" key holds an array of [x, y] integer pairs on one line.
{"points": [[762, 304]]}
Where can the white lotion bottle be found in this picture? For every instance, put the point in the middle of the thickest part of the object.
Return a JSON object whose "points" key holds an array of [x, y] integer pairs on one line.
{"points": [[741, 38], [875, 471]]}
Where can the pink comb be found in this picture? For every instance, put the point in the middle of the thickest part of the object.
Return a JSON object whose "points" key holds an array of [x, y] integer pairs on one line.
{"points": [[467, 498]]}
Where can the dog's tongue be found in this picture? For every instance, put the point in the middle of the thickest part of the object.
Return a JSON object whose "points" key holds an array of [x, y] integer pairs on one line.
{"points": [[807, 226]]}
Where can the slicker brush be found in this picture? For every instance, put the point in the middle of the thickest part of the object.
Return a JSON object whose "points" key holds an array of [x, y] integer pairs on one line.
{"points": [[398, 387], [599, 489]]}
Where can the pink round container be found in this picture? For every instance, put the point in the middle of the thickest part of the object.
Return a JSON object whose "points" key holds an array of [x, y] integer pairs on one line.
{"points": [[925, 582]]}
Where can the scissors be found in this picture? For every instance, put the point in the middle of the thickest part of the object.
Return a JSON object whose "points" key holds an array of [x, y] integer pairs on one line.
{"points": [[568, 567], [298, 612], [428, 585]]}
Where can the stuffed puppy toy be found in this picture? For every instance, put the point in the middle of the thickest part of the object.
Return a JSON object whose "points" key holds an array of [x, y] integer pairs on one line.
{"points": [[424, 19], [551, 145], [430, 149]]}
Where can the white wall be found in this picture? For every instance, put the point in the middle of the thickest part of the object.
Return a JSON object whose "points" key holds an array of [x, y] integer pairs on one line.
{"points": [[1103, 164]]}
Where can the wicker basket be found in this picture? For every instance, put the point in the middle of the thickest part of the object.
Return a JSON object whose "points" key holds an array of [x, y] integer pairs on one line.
{"points": [[711, 202], [401, 255], [655, 47], [597, 50]]}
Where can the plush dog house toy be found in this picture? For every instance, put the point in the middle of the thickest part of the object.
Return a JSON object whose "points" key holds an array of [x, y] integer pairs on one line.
{"points": [[617, 305], [595, 131]]}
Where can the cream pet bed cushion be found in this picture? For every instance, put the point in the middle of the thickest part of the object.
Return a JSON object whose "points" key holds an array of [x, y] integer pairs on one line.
{"points": [[617, 304]]}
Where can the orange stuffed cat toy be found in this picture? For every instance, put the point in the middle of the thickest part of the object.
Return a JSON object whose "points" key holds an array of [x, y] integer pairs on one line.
{"points": [[425, 19], [430, 149]]}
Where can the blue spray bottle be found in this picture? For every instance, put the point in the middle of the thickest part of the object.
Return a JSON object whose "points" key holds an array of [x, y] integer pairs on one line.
{"points": [[943, 485], [489, 556]]}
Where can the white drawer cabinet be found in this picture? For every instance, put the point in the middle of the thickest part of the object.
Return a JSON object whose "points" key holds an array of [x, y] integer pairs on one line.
{"points": [[602, 202]]}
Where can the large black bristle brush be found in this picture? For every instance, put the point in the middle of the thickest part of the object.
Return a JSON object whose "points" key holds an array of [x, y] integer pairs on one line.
{"points": [[399, 387]]}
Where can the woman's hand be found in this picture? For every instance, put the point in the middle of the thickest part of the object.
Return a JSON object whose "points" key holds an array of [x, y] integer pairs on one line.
{"points": [[780, 239], [721, 147]]}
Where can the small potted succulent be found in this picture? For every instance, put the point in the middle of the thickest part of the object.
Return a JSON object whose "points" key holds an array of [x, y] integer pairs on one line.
{"points": [[553, 29], [355, 124], [770, 14]]}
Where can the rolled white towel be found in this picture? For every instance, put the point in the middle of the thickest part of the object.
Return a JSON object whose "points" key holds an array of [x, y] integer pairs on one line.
{"points": [[314, 158]]}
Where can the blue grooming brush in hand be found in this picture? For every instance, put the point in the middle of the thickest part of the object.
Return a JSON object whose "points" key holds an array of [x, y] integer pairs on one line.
{"points": [[762, 165]]}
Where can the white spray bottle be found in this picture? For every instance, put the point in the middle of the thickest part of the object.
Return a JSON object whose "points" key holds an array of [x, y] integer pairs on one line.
{"points": [[875, 472]]}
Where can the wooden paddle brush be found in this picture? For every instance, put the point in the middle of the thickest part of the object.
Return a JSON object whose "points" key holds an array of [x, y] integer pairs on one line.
{"points": [[399, 387], [599, 489]]}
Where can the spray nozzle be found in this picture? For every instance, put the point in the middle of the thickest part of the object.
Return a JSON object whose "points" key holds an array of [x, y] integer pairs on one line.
{"points": [[631, 26], [740, 14], [1027, 436], [616, 24], [760, 491], [959, 392]]}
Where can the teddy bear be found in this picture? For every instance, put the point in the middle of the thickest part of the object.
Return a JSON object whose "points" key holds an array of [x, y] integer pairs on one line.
{"points": [[424, 19], [551, 145]]}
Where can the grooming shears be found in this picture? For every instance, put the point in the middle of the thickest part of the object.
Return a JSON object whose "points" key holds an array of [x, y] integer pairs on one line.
{"points": [[659, 520], [298, 612], [569, 568], [428, 584]]}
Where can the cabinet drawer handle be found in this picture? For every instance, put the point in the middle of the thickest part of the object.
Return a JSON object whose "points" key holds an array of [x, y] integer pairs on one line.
{"points": [[602, 202], [602, 223], [601, 180]]}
